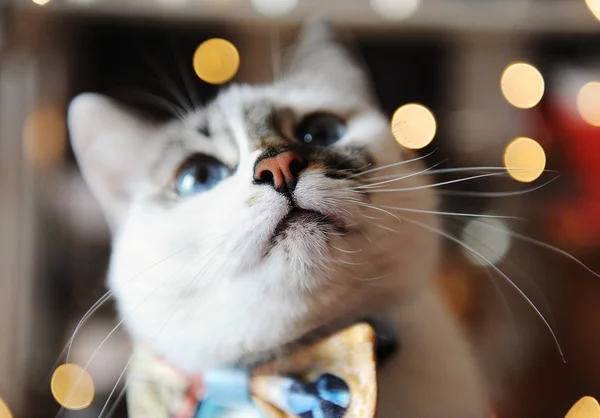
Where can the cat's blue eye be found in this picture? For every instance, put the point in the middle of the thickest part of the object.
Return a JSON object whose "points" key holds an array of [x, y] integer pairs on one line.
{"points": [[320, 130], [199, 174]]}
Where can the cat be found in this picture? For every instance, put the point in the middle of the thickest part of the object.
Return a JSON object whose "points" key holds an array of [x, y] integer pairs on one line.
{"points": [[247, 224]]}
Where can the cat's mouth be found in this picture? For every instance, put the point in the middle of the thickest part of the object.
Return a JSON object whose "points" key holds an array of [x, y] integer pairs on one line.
{"points": [[298, 217]]}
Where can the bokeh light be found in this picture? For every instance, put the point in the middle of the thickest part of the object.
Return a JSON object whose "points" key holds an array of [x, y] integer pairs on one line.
{"points": [[490, 237], [586, 407], [522, 85], [413, 126], [216, 61], [45, 135], [41, 2], [594, 6], [588, 103], [4, 411], [395, 9], [524, 159], [72, 387], [274, 8]]}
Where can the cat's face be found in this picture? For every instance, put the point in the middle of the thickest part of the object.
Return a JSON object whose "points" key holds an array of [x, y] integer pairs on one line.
{"points": [[248, 224]]}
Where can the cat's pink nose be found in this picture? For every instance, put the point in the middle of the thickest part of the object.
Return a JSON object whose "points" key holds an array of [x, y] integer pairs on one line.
{"points": [[280, 170]]}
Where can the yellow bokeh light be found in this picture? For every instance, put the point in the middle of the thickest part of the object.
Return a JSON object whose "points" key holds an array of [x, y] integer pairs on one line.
{"points": [[413, 126], [522, 85], [4, 411], [586, 407], [588, 103], [216, 61], [594, 6], [72, 387], [41, 2], [524, 159]]}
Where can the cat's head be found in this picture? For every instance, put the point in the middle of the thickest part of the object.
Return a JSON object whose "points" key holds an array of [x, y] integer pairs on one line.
{"points": [[251, 222]]}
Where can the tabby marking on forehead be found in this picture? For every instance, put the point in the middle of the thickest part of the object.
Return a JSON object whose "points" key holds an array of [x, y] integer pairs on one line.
{"points": [[261, 122]]}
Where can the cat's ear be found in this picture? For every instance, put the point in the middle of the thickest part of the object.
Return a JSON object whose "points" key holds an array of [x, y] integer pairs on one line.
{"points": [[320, 55], [108, 141]]}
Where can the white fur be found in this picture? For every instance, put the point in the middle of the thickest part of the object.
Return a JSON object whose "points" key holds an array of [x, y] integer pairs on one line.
{"points": [[191, 277]]}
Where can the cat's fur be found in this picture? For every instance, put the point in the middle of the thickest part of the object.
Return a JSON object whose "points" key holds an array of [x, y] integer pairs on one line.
{"points": [[199, 278]]}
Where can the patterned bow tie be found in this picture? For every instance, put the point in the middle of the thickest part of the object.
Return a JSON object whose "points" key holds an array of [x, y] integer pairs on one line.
{"points": [[334, 378]]}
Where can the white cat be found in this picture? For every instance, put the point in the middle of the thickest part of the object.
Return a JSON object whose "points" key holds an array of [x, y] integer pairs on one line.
{"points": [[251, 222]]}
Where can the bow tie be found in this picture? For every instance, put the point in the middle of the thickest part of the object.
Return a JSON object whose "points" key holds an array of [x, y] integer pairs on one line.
{"points": [[333, 378]]}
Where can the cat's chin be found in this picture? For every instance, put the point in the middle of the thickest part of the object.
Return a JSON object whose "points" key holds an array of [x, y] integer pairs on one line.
{"points": [[301, 241]]}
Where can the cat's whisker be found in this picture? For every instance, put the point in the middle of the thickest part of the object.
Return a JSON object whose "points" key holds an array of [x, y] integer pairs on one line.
{"points": [[341, 234], [442, 171], [114, 388], [192, 283], [445, 171], [462, 214], [367, 205], [94, 308], [387, 228], [494, 194], [97, 305], [189, 88], [504, 303], [443, 183], [171, 87], [542, 244], [350, 263], [68, 346], [122, 393], [491, 250], [163, 103], [474, 252], [485, 168], [373, 218], [113, 330], [187, 291], [346, 251], [500, 291], [327, 268], [389, 178], [480, 218], [209, 265], [97, 350], [106, 297], [364, 234], [354, 171], [205, 264], [403, 177], [396, 164], [370, 279]]}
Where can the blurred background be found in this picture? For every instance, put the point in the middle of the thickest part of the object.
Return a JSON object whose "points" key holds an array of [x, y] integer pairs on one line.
{"points": [[448, 55]]}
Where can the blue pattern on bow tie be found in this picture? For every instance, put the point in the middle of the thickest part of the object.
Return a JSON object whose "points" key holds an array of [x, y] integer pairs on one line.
{"points": [[226, 390], [327, 397]]}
